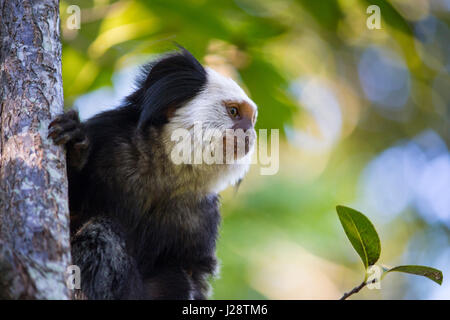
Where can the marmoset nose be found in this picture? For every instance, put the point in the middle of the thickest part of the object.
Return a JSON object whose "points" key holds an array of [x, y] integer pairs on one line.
{"points": [[248, 116], [248, 111], [244, 124]]}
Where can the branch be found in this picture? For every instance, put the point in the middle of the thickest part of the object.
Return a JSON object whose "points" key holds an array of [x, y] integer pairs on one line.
{"points": [[356, 289]]}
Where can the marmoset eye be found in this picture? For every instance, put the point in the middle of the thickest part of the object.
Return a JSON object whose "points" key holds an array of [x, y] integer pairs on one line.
{"points": [[234, 112]]}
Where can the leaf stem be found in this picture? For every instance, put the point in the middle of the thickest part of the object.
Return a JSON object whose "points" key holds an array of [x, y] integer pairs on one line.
{"points": [[356, 289]]}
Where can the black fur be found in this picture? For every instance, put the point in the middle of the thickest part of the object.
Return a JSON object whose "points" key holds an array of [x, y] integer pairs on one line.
{"points": [[136, 232], [170, 82]]}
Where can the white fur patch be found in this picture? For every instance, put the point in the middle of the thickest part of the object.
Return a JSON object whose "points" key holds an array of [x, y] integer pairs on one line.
{"points": [[208, 108]]}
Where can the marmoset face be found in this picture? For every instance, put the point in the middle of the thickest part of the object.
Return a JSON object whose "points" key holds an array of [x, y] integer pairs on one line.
{"points": [[226, 115], [219, 125]]}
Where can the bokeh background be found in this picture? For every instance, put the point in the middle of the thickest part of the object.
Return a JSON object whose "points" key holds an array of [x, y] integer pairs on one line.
{"points": [[364, 119]]}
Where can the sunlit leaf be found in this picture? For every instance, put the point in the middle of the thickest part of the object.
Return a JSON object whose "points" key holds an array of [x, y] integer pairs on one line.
{"points": [[428, 272], [361, 233]]}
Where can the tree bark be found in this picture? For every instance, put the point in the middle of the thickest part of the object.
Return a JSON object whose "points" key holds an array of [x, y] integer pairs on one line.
{"points": [[34, 214]]}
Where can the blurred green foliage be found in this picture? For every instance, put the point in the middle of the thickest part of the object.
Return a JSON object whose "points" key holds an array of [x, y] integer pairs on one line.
{"points": [[297, 59]]}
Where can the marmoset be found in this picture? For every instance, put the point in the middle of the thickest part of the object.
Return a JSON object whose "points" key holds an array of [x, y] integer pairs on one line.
{"points": [[143, 226]]}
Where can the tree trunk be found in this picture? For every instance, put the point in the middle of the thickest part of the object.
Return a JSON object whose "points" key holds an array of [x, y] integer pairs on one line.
{"points": [[34, 214]]}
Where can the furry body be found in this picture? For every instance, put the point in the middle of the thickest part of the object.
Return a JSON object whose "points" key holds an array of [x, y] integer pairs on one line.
{"points": [[143, 227]]}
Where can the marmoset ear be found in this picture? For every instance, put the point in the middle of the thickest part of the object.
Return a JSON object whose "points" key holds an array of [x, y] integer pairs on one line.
{"points": [[166, 85]]}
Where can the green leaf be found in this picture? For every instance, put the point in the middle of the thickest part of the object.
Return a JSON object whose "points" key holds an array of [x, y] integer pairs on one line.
{"points": [[327, 12], [392, 16], [267, 87], [361, 233], [430, 273]]}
